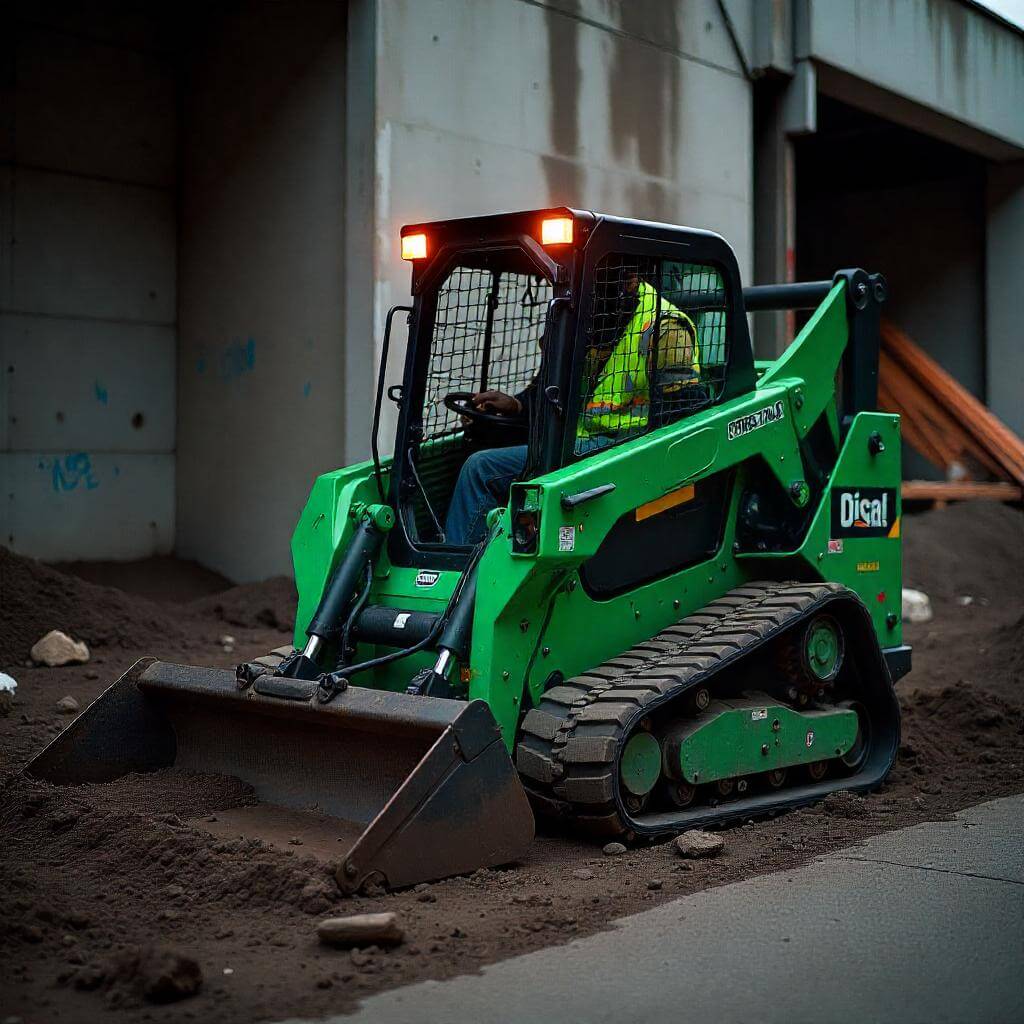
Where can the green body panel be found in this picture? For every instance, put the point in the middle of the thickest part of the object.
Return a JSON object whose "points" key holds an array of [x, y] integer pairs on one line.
{"points": [[734, 738], [323, 532], [533, 617], [871, 566]]}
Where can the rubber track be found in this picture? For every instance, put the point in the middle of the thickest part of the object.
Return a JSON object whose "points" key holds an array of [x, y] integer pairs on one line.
{"points": [[567, 755]]}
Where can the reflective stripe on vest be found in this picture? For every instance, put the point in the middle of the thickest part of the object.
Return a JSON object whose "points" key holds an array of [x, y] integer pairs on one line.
{"points": [[621, 397]]}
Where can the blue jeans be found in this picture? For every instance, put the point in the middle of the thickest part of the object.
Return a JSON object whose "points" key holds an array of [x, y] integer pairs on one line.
{"points": [[483, 484]]}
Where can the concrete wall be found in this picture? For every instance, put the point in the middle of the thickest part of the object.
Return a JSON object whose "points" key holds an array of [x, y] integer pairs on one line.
{"points": [[87, 283], [938, 66], [638, 109], [261, 382]]}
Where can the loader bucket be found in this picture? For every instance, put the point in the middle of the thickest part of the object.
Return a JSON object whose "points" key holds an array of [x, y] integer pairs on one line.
{"points": [[417, 788]]}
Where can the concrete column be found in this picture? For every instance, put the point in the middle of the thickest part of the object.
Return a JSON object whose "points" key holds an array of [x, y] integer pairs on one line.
{"points": [[782, 108], [774, 211], [361, 247], [1004, 258]]}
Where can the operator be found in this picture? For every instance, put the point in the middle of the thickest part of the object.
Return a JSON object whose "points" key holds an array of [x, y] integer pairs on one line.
{"points": [[617, 406]]}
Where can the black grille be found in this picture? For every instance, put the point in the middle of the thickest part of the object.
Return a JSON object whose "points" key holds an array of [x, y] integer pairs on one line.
{"points": [[656, 347], [487, 335]]}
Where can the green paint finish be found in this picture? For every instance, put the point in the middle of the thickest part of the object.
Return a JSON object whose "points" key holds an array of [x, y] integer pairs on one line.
{"points": [[640, 766], [323, 532], [870, 565], [812, 360], [533, 617], [741, 738], [823, 647]]}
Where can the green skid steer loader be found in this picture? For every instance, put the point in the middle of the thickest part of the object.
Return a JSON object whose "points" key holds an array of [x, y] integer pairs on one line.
{"points": [[674, 600]]}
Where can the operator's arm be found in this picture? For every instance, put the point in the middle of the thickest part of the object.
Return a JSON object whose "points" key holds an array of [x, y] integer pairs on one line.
{"points": [[515, 407], [497, 402]]}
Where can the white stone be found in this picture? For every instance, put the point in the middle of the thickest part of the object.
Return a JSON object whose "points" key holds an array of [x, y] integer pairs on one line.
{"points": [[57, 648], [916, 606], [7, 688], [699, 844], [361, 930]]}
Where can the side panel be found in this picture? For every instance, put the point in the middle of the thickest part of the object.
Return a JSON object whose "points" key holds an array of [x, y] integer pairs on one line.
{"points": [[534, 616], [323, 532], [855, 536]]}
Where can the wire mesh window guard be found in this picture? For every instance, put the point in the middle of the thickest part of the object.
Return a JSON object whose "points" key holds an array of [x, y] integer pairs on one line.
{"points": [[656, 347], [488, 329]]}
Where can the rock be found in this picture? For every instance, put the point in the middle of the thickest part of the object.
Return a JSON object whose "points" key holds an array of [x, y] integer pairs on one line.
{"points": [[160, 975], [359, 958], [654, 884], [583, 874], [316, 896], [614, 850], [699, 844], [360, 930], [68, 706], [57, 648], [92, 674], [917, 607], [226, 640], [7, 689], [845, 804], [964, 600]]}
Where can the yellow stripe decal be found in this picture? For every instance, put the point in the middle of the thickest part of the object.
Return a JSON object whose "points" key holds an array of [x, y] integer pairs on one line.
{"points": [[670, 500]]}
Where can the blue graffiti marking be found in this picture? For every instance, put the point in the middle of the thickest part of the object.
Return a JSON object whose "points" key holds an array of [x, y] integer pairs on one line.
{"points": [[73, 470], [306, 388], [101, 393], [238, 359]]}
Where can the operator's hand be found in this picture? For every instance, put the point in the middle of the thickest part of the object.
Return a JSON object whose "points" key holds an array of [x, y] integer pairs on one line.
{"points": [[498, 402]]}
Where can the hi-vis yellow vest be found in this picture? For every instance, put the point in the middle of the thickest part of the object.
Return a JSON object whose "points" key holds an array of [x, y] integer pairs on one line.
{"points": [[620, 401]]}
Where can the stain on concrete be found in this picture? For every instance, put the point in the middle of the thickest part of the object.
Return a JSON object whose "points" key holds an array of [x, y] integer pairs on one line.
{"points": [[564, 176], [948, 25], [645, 87]]}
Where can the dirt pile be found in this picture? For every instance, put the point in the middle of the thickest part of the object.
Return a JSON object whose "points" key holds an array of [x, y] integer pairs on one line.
{"points": [[36, 599], [973, 549], [94, 878], [152, 974], [969, 559], [270, 603]]}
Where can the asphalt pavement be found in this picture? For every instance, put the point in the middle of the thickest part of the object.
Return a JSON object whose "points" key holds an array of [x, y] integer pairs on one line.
{"points": [[925, 924]]}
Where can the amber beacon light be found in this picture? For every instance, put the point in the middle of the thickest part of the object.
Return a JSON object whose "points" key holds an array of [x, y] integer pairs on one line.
{"points": [[556, 231], [414, 247]]}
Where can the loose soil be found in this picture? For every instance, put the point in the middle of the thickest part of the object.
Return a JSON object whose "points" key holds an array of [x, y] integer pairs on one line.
{"points": [[118, 897]]}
